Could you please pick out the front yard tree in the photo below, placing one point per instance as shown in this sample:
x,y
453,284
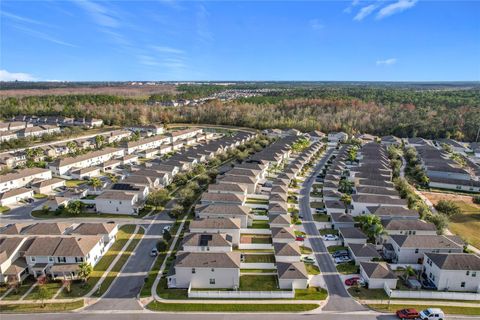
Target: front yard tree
x,y
448,208
99,140
158,198
75,208
177,210
42,293
85,269
95,183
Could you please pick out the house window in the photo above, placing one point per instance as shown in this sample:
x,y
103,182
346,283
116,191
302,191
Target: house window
x,y
50,259
416,250
61,259
78,259
474,274
212,281
468,272
193,270
462,285
213,270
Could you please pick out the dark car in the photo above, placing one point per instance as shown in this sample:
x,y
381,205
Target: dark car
x,y
340,253
428,284
408,314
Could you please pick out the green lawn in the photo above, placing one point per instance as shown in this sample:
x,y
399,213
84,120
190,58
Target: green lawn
x,y
258,283
53,215
78,288
332,249
256,201
305,250
4,209
364,293
317,204
166,293
300,233
469,311
316,194
259,258
39,196
311,293
347,268
37,307
52,288
321,218
312,269
467,224
260,239
152,274
17,294
328,231
225,307
74,183
258,270
260,224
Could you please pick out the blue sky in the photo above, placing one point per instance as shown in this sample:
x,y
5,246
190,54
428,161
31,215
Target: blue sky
x,y
397,40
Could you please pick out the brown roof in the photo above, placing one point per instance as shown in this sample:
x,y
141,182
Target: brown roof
x,y
295,270
352,233
455,261
93,228
222,197
424,241
14,192
287,249
376,270
8,246
283,232
62,246
217,208
364,250
226,187
47,228
221,223
90,155
48,182
206,239
208,260
407,224
280,219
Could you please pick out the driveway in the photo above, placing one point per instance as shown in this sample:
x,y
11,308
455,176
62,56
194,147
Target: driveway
x,y
126,287
339,299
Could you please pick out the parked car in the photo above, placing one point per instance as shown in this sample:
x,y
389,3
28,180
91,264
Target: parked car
x,y
320,210
340,253
300,238
428,284
432,314
30,200
308,260
343,259
166,229
154,252
408,314
300,215
352,281
330,237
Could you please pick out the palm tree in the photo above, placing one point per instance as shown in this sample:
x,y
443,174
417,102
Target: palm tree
x,y
346,199
95,183
84,271
99,140
345,186
72,147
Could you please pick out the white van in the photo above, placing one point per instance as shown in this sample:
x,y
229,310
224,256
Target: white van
x,y
432,314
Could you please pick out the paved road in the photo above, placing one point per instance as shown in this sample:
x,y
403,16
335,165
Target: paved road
x,y
124,290
206,316
339,299
20,213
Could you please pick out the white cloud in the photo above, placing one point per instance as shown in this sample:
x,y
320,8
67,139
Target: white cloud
x,y
364,12
164,49
44,36
386,62
396,7
21,19
100,14
15,76
350,7
315,24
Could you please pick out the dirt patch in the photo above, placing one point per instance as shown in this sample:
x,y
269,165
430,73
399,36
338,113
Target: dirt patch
x,y
434,197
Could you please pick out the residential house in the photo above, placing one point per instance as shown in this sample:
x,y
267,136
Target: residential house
x,y
377,275
207,242
228,226
14,196
292,276
22,178
287,252
352,235
48,186
118,202
224,211
363,252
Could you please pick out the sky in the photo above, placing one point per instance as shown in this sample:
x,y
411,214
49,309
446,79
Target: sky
x,y
174,40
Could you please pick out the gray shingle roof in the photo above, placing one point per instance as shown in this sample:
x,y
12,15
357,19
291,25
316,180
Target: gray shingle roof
x,y
295,270
455,261
208,260
376,270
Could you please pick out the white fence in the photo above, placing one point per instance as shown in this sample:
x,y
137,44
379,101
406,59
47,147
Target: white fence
x,y
246,265
241,294
256,246
255,231
259,217
441,295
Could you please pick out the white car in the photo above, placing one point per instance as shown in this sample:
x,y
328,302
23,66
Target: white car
x,y
330,237
308,260
166,228
432,314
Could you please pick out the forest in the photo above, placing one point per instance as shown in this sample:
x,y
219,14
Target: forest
x,y
440,111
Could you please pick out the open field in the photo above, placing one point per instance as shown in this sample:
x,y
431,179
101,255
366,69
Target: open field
x,y
465,225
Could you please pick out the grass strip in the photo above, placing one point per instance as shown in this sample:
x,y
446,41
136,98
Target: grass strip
x,y
38,308
224,307
468,311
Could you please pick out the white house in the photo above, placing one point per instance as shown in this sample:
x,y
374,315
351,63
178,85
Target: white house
x,y
453,271
60,256
95,158
118,202
185,134
352,235
206,270
12,263
12,197
365,252
361,203
228,226
410,249
376,275
287,252
292,275
335,137
23,177
48,186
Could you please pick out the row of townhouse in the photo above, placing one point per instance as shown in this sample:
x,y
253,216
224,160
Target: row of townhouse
x,y
129,195
445,173
407,239
207,259
58,121
54,250
17,130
